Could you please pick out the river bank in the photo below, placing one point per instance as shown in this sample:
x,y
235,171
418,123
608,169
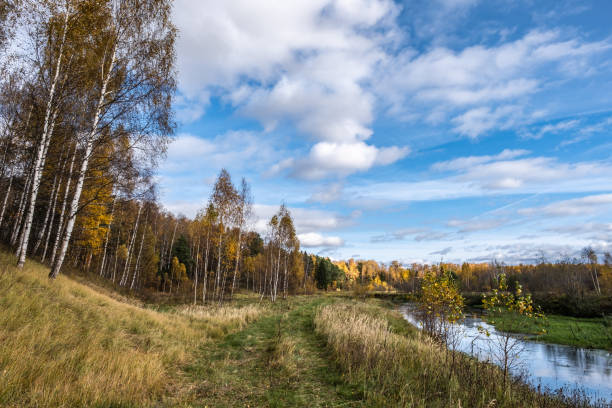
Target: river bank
x,y
592,333
553,366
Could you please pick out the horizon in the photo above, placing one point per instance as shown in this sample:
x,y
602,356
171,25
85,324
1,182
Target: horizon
x,y
460,130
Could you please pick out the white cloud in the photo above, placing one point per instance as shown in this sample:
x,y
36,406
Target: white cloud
x,y
302,61
552,128
305,220
484,88
480,176
537,171
442,252
588,205
477,121
235,149
418,234
473,225
463,163
327,194
327,159
313,239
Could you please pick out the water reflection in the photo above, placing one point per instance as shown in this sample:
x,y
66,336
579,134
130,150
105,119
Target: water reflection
x,y
551,365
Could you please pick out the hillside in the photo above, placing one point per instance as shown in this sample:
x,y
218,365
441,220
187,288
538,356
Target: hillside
x,y
63,343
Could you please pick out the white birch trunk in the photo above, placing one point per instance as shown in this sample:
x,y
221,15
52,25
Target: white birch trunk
x,y
41,156
43,230
286,282
237,261
22,204
60,225
4,202
83,170
218,276
50,227
126,268
205,277
144,230
107,236
115,262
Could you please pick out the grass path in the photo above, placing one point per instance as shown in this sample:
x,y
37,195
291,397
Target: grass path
x,y
277,361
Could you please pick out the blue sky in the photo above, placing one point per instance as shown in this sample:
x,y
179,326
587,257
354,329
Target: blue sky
x,y
415,130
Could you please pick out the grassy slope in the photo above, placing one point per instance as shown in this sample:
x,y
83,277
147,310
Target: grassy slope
x,y
63,343
580,332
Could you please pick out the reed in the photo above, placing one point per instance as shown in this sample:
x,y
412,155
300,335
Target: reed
x,y
395,369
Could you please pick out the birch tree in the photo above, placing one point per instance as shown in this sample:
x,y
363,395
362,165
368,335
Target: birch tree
x,y
50,116
243,213
133,80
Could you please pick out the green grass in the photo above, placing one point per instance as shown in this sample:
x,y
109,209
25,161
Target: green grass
x,y
573,331
278,361
68,343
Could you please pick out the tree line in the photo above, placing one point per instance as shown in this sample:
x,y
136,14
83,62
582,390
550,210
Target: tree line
x,y
86,89
583,275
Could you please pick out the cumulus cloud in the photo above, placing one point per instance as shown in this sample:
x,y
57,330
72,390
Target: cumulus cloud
x,y
306,62
235,149
313,239
306,220
327,159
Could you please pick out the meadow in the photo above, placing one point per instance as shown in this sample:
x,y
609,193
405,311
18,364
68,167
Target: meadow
x,y
71,343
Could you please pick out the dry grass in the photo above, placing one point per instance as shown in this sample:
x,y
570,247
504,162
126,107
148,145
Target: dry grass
x,y
399,370
64,344
223,319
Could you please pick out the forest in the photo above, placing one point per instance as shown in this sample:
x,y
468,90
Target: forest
x,y
86,115
128,304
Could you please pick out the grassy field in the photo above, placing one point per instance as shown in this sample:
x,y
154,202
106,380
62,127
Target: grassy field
x,y
67,343
580,332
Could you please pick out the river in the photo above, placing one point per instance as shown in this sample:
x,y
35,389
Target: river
x,y
552,365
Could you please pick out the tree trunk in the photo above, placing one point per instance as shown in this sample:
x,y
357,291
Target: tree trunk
x,y
126,268
115,261
84,165
50,226
22,204
286,283
144,230
195,273
6,196
205,276
277,274
107,236
169,257
50,206
43,146
60,225
218,276
237,261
